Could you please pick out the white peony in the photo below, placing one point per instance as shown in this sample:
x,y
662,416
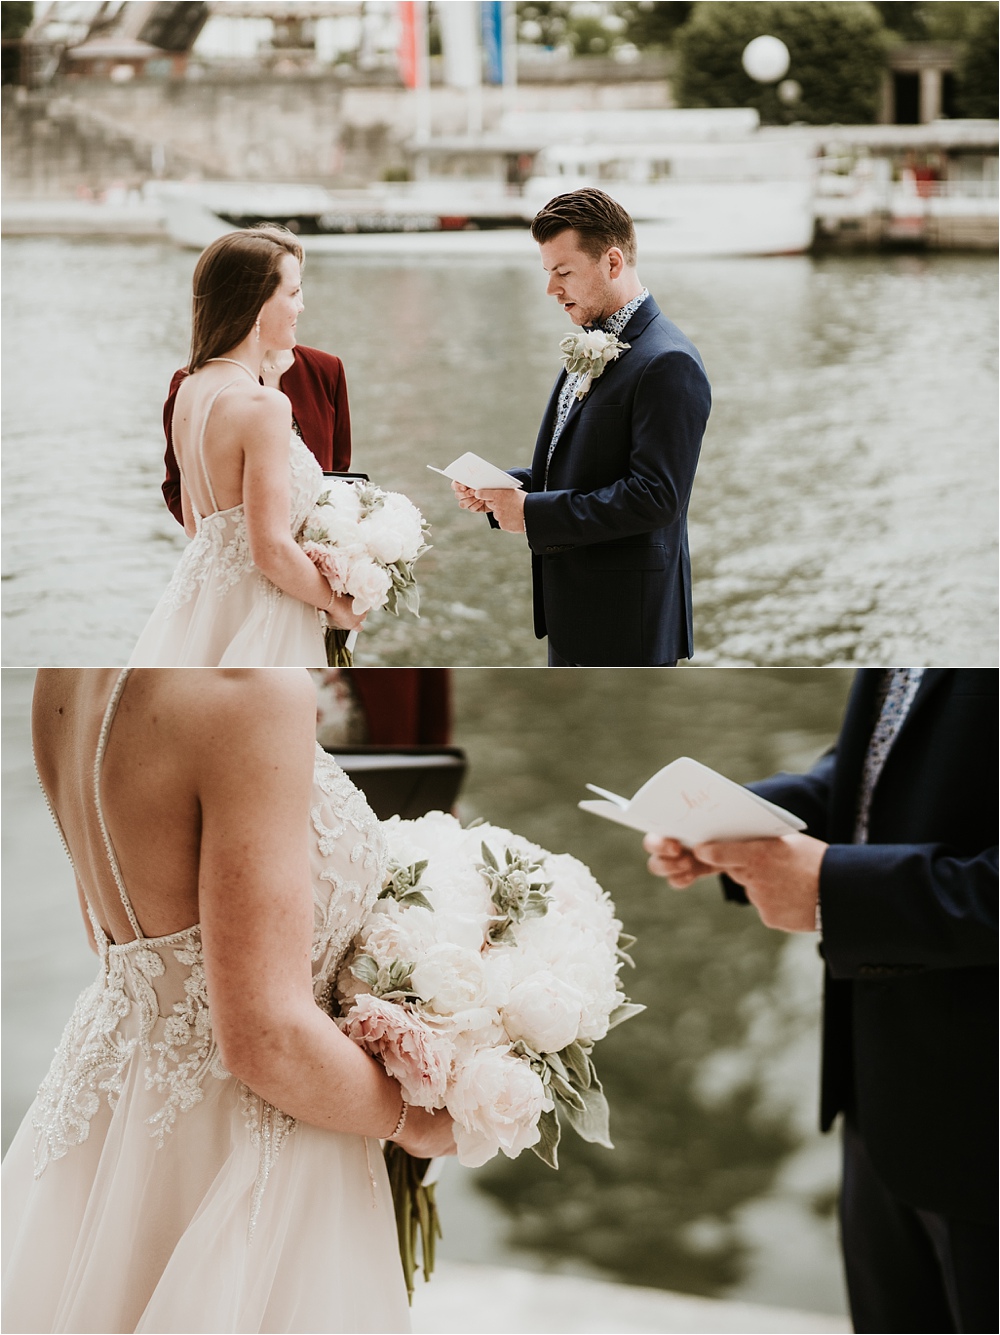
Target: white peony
x,y
369,586
450,978
545,1011
496,1101
381,538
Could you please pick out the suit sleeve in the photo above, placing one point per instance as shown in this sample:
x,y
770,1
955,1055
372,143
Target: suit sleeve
x,y
890,908
906,908
669,413
171,487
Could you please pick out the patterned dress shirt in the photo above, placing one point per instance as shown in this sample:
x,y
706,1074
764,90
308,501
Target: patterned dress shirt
x,y
613,325
895,698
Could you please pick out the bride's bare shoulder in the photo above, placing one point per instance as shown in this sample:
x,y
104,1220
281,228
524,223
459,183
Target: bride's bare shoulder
x,y
243,698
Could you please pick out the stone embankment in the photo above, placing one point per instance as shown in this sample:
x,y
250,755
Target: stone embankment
x,y
88,135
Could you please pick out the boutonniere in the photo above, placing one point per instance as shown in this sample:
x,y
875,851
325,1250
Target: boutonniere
x,y
589,352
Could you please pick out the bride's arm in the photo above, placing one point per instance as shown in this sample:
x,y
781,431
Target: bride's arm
x,y
254,777
266,504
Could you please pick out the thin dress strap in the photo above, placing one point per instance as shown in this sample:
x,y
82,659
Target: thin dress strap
x,y
102,741
201,445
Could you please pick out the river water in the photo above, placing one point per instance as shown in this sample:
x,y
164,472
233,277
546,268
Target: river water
x,y
719,1183
844,509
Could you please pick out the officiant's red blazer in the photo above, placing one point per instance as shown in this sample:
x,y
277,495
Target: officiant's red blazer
x,y
317,387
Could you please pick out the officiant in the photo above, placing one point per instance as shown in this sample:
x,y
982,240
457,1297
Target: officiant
x,y
604,504
897,871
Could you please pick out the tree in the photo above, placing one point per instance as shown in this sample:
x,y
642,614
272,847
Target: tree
x,y
837,57
977,71
15,20
652,23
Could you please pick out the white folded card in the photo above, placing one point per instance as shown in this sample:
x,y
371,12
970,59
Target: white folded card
x,y
690,802
472,471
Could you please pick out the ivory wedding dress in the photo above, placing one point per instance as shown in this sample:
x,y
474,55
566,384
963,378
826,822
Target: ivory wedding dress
x,y
219,610
149,1190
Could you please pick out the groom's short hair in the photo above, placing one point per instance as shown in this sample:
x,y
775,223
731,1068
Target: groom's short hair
x,y
599,220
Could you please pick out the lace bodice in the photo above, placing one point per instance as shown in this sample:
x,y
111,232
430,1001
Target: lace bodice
x,y
220,547
149,1003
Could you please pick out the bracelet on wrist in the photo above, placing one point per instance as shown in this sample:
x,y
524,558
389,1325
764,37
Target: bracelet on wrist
x,y
401,1123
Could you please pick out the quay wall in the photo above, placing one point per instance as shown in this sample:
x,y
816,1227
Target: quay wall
x,y
86,135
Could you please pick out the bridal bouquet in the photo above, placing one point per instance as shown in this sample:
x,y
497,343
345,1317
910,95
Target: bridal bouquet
x,y
482,978
366,542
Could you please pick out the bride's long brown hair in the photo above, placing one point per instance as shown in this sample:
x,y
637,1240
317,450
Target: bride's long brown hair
x,y
233,278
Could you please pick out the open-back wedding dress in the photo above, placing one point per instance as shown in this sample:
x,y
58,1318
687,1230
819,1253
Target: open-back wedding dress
x,y
149,1190
219,610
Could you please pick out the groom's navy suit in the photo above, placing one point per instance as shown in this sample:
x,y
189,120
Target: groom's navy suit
x,y
909,936
606,519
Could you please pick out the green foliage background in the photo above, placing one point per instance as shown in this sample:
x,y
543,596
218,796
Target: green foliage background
x,y
662,1209
837,56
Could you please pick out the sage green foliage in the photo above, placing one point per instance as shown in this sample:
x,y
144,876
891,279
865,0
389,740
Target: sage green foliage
x,y
403,885
679,1157
390,981
516,889
837,51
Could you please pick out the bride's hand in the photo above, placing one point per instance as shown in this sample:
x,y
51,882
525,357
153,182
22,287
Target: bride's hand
x,y
427,1135
341,613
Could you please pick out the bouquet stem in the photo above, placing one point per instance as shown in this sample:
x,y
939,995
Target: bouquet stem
x,y
416,1212
339,649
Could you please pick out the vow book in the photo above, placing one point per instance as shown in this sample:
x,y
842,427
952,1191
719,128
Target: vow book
x,y
692,803
472,471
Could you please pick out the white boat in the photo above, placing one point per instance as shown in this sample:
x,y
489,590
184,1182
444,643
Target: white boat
x,y
696,183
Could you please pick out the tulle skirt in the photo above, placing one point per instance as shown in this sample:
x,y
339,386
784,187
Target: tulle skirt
x,y
121,1234
249,624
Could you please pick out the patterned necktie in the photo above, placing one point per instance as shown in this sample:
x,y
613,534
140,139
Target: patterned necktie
x,y
899,686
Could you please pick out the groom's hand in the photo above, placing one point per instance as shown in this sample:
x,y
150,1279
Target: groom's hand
x,y
670,859
506,505
467,498
780,876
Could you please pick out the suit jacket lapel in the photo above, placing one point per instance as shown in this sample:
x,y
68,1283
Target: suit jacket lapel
x,y
646,313
859,724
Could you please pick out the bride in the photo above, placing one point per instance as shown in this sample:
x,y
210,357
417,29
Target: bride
x,y
203,1154
244,594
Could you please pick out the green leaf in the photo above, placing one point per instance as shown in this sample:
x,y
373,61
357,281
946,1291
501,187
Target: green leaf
x,y
365,970
555,1061
488,857
412,898
578,1064
566,1094
592,1124
624,1012
547,1147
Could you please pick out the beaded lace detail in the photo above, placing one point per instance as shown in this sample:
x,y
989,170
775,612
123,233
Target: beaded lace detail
x,y
220,548
149,1002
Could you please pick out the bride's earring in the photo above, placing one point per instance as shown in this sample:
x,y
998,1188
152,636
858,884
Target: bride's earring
x,y
257,327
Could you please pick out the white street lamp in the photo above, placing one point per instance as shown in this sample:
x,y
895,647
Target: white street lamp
x,y
766,59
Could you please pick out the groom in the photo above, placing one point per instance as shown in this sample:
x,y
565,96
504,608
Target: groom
x,y
604,505
898,871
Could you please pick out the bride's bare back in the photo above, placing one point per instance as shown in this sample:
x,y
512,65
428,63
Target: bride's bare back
x,y
161,755
220,414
